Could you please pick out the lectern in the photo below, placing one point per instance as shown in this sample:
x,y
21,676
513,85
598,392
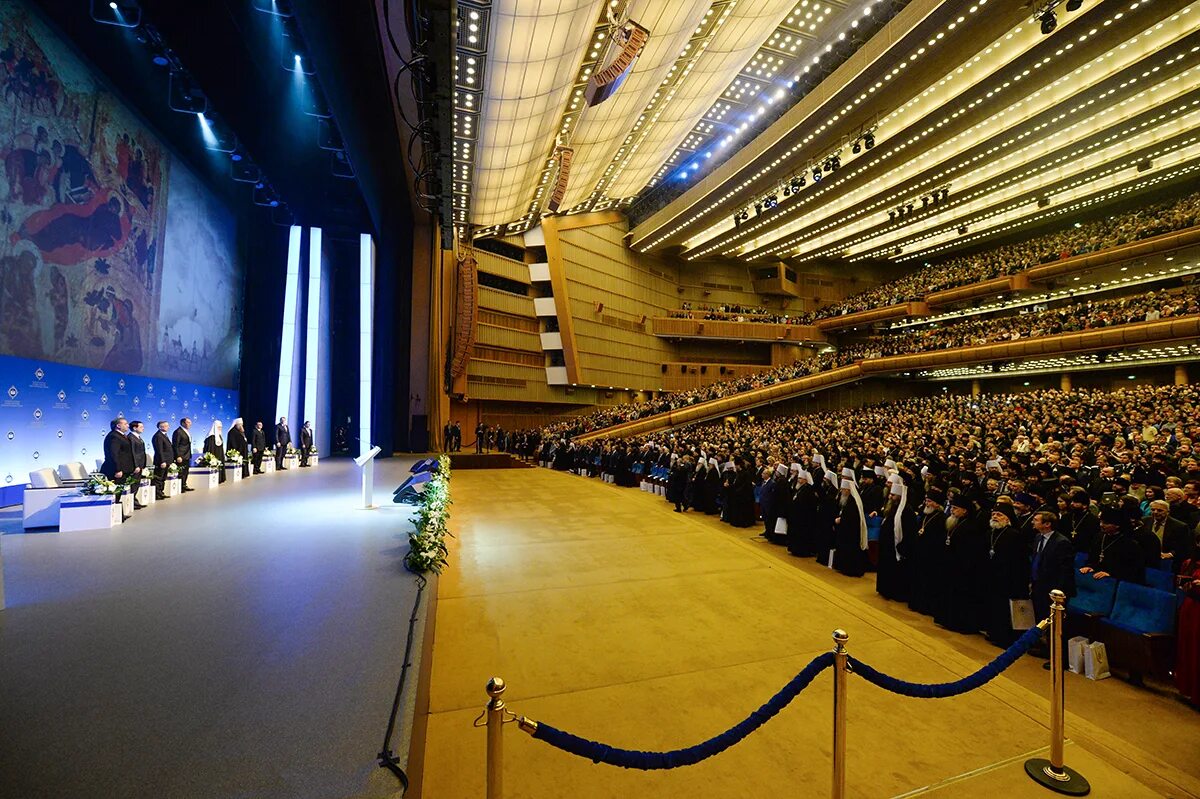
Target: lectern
x,y
367,462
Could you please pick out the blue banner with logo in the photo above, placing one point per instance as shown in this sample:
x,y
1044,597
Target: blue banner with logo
x,y
52,413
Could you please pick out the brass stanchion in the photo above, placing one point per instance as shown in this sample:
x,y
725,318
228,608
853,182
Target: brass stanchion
x,y
495,741
840,637
1053,773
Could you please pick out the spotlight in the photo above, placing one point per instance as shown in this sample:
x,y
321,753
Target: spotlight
x,y
836,163
857,148
924,200
802,180
1074,5
235,157
908,207
758,208
737,220
816,174
796,183
868,140
787,190
892,215
1049,22
113,6
828,165
962,230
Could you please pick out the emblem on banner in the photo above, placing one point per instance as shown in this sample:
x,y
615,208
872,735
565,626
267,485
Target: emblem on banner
x,y
12,392
87,380
37,413
39,374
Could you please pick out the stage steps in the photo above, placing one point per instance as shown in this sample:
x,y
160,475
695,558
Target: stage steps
x,y
486,460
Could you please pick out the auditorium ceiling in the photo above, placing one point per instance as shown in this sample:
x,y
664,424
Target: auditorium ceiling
x,y
822,130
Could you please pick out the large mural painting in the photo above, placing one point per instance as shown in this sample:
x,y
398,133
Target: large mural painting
x,y
85,248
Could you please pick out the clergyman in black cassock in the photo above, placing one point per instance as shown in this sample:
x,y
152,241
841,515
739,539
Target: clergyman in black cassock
x,y
1007,573
850,532
960,607
923,553
891,579
236,442
803,516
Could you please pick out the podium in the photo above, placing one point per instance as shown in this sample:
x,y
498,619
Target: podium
x,y
367,462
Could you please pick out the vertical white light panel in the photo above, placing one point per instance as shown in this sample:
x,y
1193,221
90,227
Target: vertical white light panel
x,y
312,337
366,332
287,341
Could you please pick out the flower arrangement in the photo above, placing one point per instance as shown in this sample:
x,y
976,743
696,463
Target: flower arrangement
x,y
235,457
100,485
291,451
312,450
427,542
173,470
209,460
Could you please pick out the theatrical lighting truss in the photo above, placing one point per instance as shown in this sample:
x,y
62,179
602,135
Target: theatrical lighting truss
x,y
185,96
122,13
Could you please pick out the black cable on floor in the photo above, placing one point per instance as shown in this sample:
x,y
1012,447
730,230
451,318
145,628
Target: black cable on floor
x,y
388,758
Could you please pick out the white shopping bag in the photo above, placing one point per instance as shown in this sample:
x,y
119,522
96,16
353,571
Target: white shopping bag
x,y
1075,649
1020,613
1095,661
781,526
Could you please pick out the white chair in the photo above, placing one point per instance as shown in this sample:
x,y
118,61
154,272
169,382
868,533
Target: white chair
x,y
74,473
41,497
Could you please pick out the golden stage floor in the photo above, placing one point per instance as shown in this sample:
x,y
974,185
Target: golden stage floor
x,y
614,618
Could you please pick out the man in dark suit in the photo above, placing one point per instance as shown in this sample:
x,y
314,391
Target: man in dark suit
x,y
138,445
447,437
306,442
258,446
1172,537
181,442
1053,563
136,428
164,456
118,452
1053,568
456,433
481,433
283,440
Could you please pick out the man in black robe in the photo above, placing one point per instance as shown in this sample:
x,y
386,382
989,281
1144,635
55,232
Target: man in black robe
x,y
899,522
923,552
164,456
1007,573
181,442
850,530
258,446
1079,525
965,566
803,515
236,442
677,483
1115,552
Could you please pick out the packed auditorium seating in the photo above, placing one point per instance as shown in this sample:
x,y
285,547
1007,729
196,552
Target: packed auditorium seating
x,y
1078,239
1085,315
741,313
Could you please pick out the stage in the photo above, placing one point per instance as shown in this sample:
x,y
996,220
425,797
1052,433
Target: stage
x,y
613,618
239,642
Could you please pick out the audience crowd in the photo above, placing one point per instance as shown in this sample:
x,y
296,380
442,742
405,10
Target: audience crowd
x,y
974,331
741,313
973,501
1085,237
1075,317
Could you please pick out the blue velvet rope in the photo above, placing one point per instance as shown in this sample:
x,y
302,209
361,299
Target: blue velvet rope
x,y
943,690
648,761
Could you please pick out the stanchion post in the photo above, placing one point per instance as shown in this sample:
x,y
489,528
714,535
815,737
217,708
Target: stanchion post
x,y
1053,773
495,741
840,657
